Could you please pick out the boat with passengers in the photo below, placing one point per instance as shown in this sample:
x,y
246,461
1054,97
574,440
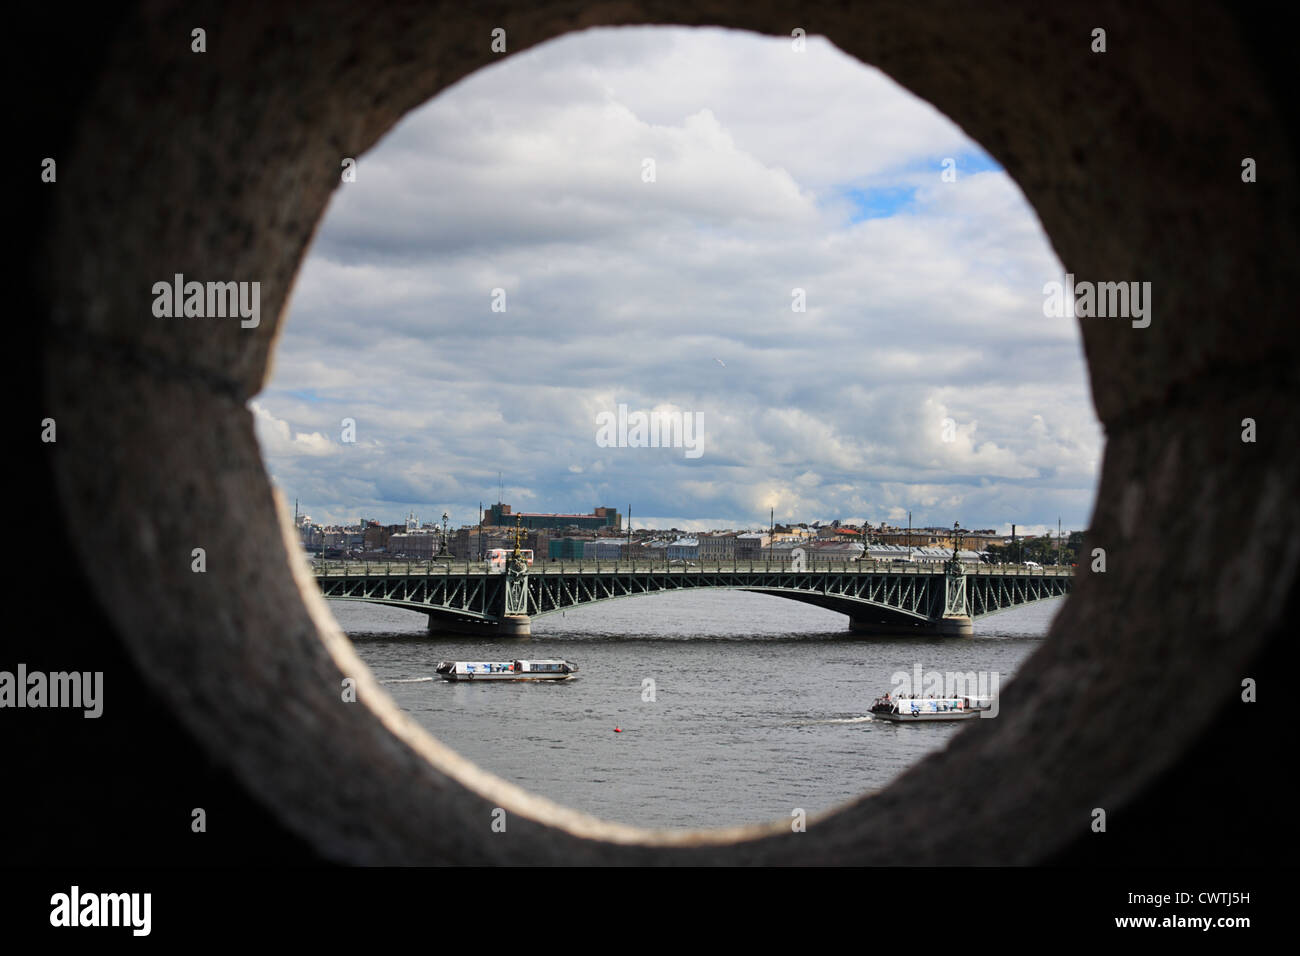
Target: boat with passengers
x,y
507,670
912,709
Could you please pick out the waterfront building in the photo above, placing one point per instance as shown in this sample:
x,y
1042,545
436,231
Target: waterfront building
x,y
419,544
750,546
502,515
791,535
567,549
603,549
654,551
684,549
717,547
836,550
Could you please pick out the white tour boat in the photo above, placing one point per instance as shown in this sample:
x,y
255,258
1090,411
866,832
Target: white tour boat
x,y
915,709
507,670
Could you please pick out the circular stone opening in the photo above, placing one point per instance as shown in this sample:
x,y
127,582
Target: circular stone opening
x,y
164,459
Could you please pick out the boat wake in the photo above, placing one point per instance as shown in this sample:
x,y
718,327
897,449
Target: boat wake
x,y
835,720
407,680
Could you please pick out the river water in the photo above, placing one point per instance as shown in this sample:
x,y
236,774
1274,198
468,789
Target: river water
x,y
758,704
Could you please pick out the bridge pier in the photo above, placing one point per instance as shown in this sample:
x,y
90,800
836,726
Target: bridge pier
x,y
944,627
440,625
956,627
514,625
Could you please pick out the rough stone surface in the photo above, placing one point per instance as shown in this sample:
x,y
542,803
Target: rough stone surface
x,y
219,166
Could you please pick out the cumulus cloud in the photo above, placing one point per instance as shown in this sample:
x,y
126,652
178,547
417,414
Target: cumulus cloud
x,y
773,172
279,441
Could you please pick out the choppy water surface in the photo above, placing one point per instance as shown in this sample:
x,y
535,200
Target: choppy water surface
x,y
760,703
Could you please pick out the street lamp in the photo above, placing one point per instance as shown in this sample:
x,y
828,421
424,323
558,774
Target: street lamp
x,y
444,534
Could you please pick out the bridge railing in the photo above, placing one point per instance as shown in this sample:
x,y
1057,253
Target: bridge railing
x,y
408,568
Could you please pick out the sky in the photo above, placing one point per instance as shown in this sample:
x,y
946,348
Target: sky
x,y
507,269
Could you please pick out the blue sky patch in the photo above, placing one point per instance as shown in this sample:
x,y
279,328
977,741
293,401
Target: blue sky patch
x,y
879,203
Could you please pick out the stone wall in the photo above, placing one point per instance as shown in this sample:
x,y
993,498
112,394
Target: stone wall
x,y
220,166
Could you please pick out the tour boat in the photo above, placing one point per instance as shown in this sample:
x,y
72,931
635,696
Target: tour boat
x,y
506,670
914,709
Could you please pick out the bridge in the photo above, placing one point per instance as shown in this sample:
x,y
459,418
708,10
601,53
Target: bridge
x,y
878,597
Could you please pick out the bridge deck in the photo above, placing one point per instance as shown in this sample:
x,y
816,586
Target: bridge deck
x,y
874,594
426,568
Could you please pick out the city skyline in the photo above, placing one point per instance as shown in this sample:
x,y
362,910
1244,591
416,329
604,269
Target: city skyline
x,y
416,521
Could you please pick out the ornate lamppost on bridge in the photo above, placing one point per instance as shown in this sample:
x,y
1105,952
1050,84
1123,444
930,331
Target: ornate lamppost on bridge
x,y
515,620
516,556
443,552
955,563
956,616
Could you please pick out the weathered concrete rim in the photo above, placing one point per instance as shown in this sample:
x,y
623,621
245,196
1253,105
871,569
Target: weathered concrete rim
x,y
164,447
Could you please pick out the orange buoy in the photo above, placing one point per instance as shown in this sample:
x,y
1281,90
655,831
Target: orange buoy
x,y
618,730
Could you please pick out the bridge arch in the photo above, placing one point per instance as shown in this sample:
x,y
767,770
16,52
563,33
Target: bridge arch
x,y
877,598
1078,139
866,616
443,620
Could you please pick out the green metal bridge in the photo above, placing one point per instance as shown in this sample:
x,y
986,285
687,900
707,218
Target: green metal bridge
x,y
878,597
